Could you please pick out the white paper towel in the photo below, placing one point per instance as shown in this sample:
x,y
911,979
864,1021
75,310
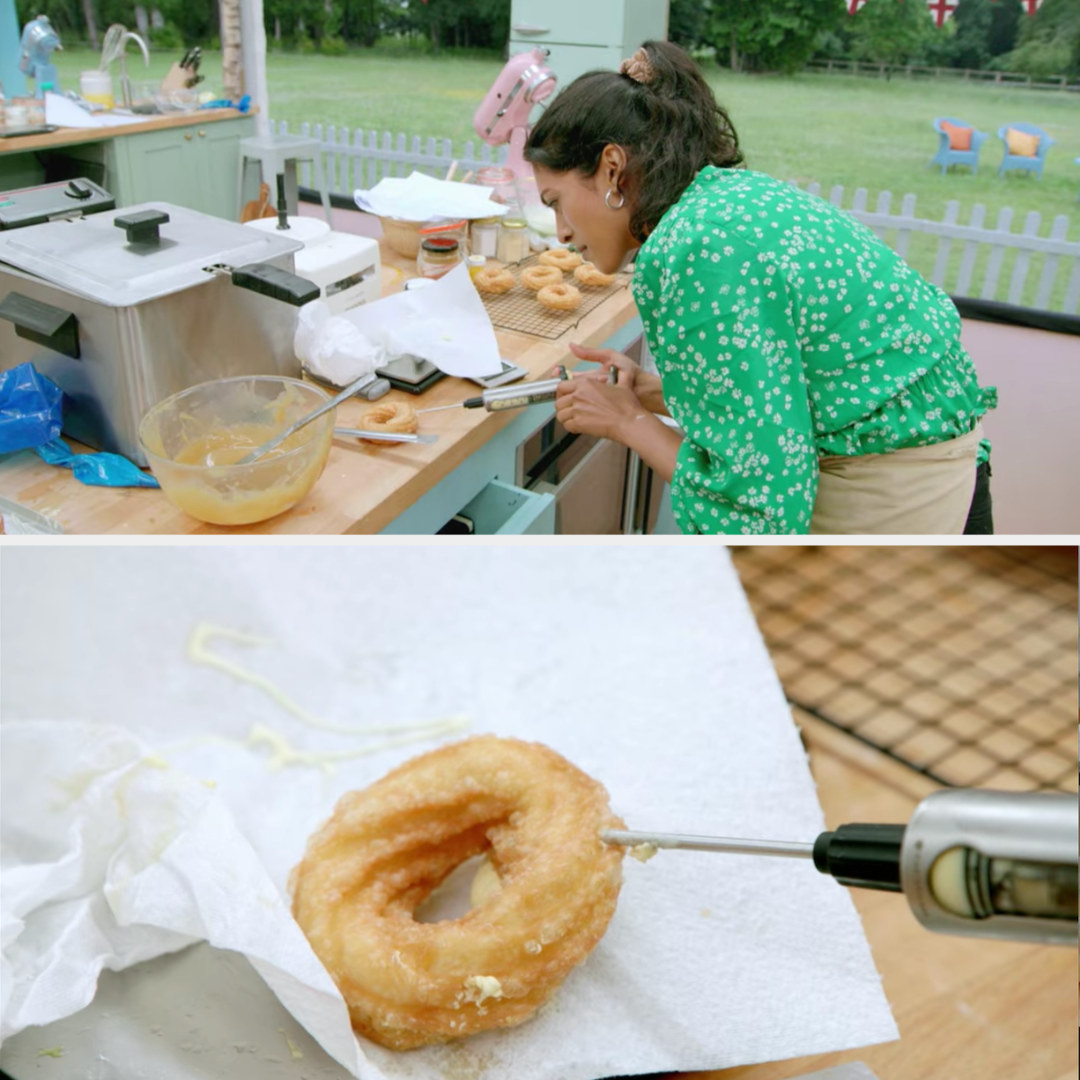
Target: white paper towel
x,y
446,324
641,665
419,197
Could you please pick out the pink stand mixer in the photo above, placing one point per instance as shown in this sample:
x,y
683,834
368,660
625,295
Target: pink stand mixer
x,y
503,116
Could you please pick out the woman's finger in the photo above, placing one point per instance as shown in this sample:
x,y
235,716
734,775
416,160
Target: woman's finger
x,y
587,352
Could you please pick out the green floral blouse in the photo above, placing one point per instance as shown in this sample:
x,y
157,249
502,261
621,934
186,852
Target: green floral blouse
x,y
784,330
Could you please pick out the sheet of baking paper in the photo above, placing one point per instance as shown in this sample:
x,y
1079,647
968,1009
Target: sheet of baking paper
x,y
642,665
419,197
445,323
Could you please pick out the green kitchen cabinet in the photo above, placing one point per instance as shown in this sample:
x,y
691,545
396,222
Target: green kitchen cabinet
x,y
195,166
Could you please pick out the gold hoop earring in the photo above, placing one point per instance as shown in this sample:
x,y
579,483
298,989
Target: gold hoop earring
x,y
607,199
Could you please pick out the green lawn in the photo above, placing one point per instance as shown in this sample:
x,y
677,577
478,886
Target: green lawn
x,y
835,129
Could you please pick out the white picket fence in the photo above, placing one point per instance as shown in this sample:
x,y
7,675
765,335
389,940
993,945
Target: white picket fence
x,y
982,252
971,260
360,159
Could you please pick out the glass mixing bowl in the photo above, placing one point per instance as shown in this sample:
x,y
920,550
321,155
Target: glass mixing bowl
x,y
194,439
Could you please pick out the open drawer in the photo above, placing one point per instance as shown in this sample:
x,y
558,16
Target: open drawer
x,y
502,509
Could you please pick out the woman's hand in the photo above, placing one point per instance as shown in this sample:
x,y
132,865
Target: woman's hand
x,y
588,405
591,406
644,385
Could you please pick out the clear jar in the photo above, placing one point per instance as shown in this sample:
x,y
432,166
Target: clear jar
x,y
501,182
513,240
438,254
484,237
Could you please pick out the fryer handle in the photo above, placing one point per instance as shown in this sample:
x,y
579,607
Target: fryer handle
x,y
276,283
44,324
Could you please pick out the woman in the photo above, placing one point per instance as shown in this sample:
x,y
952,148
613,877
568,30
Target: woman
x,y
818,379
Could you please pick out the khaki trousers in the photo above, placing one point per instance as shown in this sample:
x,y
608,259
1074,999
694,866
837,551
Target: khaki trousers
x,y
922,490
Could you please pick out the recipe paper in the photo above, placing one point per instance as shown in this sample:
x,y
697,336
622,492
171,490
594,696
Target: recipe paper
x,y
151,821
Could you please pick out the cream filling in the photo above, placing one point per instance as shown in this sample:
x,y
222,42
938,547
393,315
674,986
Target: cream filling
x,y
478,988
284,753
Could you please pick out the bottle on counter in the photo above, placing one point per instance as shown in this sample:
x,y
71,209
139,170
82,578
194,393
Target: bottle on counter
x,y
513,240
438,255
500,181
475,264
484,237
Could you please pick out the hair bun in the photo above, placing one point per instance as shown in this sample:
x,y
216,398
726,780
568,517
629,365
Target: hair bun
x,y
638,67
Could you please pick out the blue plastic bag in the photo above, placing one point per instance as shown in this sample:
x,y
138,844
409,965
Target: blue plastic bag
x,y
30,408
99,470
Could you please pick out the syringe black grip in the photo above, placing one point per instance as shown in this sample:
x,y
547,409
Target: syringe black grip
x,y
866,856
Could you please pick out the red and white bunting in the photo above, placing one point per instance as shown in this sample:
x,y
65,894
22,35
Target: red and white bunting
x,y
941,9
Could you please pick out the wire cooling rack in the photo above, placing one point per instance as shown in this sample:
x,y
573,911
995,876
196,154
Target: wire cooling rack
x,y
519,309
958,662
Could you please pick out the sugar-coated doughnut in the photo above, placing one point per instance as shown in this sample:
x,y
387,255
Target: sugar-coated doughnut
x,y
536,277
559,297
563,258
587,274
494,279
538,818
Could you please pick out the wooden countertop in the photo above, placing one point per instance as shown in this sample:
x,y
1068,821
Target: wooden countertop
x,y
362,489
68,136
965,1007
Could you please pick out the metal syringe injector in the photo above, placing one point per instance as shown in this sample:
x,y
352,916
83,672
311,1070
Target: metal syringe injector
x,y
517,396
980,863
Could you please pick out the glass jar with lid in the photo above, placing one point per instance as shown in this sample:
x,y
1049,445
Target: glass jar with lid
x,y
502,184
438,255
513,240
484,237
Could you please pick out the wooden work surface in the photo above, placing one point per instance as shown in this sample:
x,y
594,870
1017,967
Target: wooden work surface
x,y
69,136
363,487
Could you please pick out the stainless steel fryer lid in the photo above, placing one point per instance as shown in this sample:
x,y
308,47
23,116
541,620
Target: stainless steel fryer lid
x,y
92,257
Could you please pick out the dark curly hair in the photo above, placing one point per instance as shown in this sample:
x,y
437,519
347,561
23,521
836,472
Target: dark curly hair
x,y
670,128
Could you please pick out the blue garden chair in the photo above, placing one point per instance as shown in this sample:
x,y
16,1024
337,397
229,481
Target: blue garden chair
x,y
946,157
1022,162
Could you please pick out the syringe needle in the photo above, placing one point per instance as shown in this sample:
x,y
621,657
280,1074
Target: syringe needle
x,y
784,848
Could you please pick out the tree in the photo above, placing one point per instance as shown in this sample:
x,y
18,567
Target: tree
x,y
971,42
1004,26
775,36
891,31
232,59
687,20
1049,42
91,25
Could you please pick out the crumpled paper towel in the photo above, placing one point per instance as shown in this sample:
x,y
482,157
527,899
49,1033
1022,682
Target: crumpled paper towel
x,y
420,197
641,664
445,323
111,857
332,348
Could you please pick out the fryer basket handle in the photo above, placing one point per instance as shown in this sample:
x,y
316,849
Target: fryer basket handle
x,y
42,323
276,283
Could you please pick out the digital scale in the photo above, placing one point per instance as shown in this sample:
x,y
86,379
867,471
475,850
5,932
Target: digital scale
x,y
415,375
